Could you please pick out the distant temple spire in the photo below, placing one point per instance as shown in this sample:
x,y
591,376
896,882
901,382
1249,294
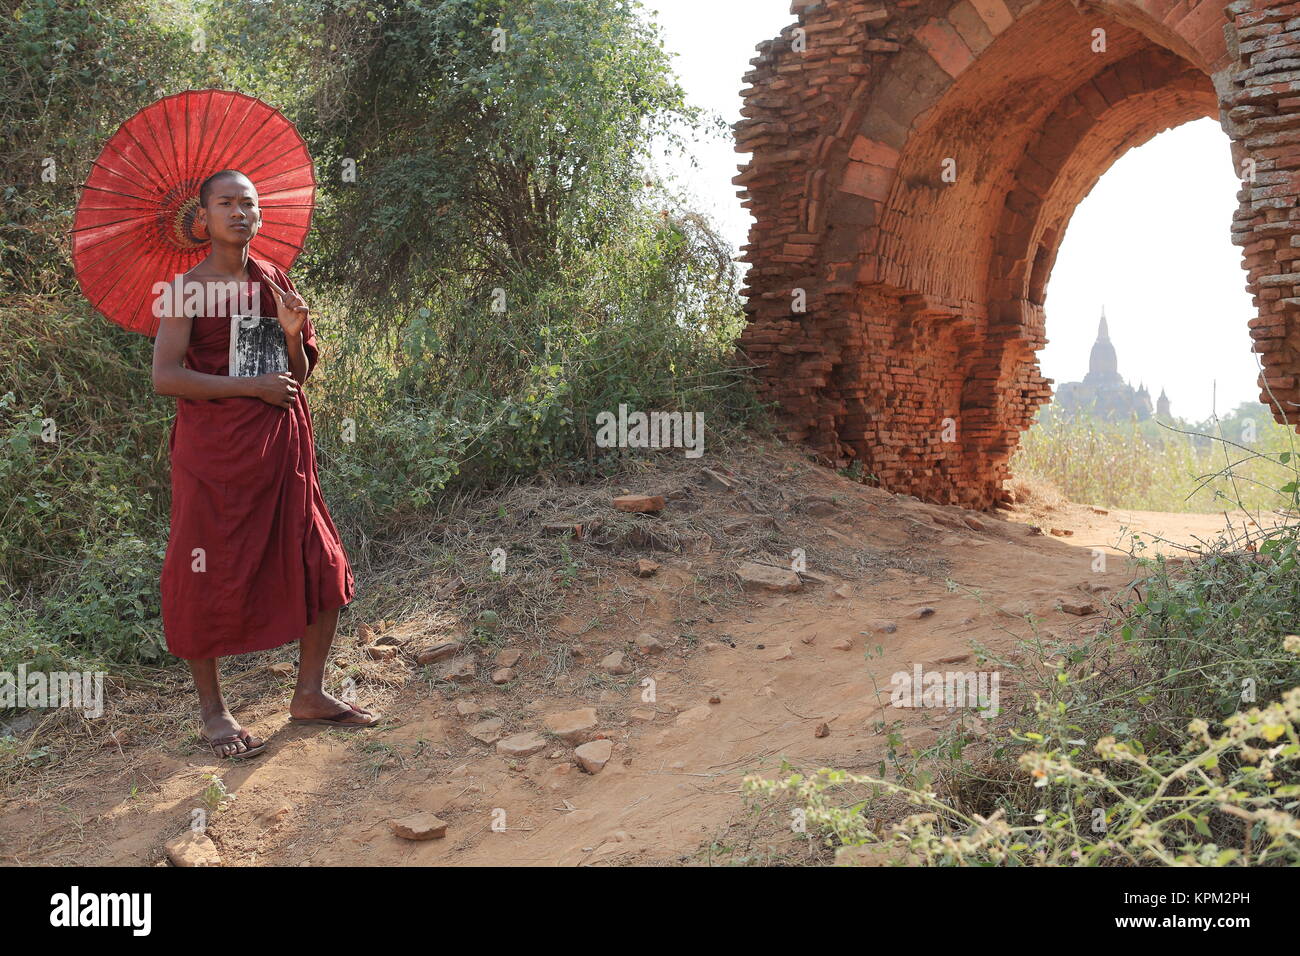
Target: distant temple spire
x,y
1103,365
1162,406
1103,393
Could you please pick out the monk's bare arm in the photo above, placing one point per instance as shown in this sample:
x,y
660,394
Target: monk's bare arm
x,y
297,357
172,378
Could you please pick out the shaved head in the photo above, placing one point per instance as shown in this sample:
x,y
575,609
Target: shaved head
x,y
205,188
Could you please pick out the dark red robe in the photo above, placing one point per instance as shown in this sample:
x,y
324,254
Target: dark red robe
x,y
245,491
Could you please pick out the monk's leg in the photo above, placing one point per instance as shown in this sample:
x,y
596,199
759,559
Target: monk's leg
x,y
218,722
309,697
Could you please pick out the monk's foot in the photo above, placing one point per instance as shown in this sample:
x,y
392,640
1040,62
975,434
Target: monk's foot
x,y
223,733
317,704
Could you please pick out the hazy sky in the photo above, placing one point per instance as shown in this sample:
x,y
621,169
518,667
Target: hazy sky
x,y
1150,242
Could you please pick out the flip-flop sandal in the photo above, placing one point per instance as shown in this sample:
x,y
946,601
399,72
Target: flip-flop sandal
x,y
340,719
243,735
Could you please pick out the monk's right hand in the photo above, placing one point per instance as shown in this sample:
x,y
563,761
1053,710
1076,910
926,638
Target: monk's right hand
x,y
276,388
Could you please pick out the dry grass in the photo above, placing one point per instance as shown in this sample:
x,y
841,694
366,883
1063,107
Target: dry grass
x,y
1153,467
1036,493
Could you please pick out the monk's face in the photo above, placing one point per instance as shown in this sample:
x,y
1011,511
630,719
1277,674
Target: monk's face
x,y
232,214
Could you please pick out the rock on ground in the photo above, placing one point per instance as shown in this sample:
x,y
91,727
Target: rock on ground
x,y
593,756
648,644
572,726
521,745
419,826
716,480
640,504
770,579
438,652
1081,608
193,849
615,664
487,731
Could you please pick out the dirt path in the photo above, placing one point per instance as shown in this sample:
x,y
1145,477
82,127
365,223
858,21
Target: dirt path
x,y
775,666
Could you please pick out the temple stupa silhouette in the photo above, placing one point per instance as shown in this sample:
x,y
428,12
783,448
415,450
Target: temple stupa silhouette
x,y
1103,393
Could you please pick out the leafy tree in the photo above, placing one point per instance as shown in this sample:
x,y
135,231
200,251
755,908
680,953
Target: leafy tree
x,y
490,137
71,71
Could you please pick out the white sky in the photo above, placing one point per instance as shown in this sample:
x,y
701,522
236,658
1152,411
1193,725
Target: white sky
x,y
1150,242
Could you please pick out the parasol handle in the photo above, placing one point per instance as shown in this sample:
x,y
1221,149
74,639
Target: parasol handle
x,y
280,293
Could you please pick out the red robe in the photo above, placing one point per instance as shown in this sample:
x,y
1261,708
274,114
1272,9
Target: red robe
x,y
245,491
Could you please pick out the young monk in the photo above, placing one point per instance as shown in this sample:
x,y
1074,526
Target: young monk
x,y
253,560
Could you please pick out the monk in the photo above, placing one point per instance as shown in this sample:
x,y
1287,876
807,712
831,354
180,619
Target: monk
x,y
253,559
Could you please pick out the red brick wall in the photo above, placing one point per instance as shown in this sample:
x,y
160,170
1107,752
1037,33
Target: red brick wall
x,y
914,168
1264,120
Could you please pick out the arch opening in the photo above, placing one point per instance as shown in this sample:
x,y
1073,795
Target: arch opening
x,y
1146,267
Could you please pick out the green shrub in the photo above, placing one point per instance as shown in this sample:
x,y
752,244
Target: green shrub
x,y
83,455
464,397
84,481
1216,800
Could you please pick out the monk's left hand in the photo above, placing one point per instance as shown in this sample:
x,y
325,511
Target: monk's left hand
x,y
291,310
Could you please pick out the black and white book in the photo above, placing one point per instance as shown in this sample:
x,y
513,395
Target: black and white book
x,y
257,346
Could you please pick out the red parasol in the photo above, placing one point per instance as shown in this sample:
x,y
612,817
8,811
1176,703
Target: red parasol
x,y
135,223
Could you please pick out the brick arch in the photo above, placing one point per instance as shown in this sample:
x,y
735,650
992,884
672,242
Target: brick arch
x,y
1162,92
923,293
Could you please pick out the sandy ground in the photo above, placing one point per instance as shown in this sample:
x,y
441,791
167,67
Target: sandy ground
x,y
776,666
